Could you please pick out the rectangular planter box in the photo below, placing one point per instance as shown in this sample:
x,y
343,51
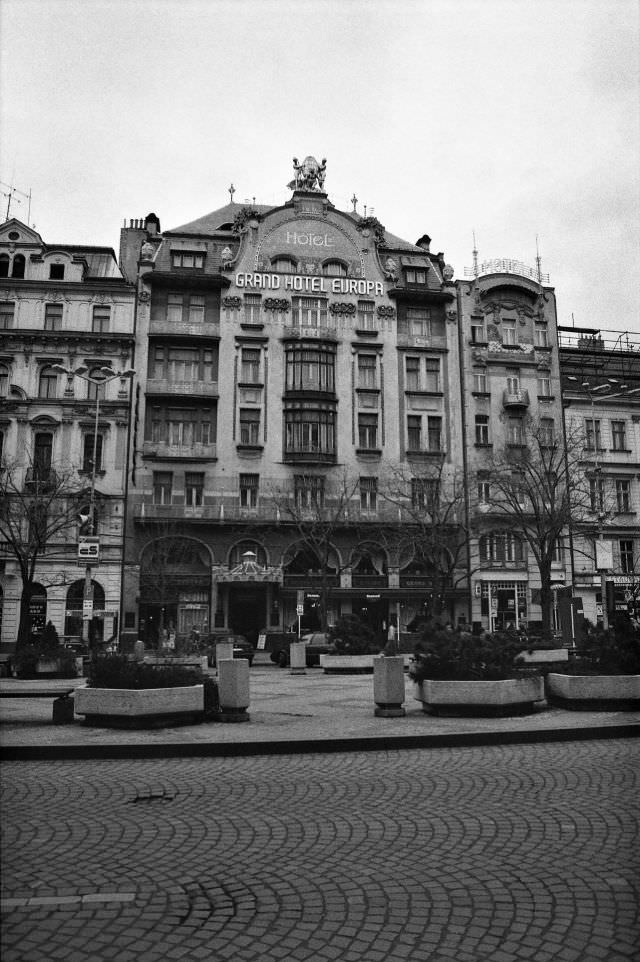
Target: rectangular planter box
x,y
355,664
585,692
181,661
476,697
116,706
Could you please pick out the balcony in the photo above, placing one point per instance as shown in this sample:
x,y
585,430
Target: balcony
x,y
184,328
515,400
41,478
179,452
157,385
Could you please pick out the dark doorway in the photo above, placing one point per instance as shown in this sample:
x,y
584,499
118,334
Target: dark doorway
x,y
248,610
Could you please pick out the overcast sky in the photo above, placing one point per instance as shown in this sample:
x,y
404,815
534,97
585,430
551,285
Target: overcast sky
x,y
515,119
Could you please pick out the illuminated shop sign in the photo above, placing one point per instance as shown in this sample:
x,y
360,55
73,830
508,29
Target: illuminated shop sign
x,y
315,285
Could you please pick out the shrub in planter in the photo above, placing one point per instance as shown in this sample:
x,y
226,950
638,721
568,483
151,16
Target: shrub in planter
x,y
118,671
458,656
351,636
25,661
612,652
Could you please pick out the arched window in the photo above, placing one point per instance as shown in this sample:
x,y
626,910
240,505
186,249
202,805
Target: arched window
x,y
284,265
4,265
48,383
73,621
334,269
18,266
96,390
4,380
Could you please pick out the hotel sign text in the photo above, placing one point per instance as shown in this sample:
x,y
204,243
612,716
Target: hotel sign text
x,y
316,285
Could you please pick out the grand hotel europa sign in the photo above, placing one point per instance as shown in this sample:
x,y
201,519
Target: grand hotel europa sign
x,y
310,284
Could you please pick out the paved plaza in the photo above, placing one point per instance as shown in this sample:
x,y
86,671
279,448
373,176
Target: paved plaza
x,y
478,854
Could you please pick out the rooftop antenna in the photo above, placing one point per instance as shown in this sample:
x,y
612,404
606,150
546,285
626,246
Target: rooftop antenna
x,y
9,194
365,210
475,257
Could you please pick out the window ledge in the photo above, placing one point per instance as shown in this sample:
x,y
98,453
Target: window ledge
x,y
250,447
250,384
420,393
627,513
547,398
415,453
369,452
481,444
363,332
479,343
481,394
368,390
620,451
100,472
246,326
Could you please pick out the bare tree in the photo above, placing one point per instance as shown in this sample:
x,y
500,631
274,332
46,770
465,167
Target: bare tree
x,y
433,529
320,510
39,512
537,488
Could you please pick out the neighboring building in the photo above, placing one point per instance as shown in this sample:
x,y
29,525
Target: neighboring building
x,y
65,305
291,358
601,391
510,378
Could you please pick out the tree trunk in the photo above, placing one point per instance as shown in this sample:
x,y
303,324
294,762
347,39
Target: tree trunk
x,y
546,604
24,626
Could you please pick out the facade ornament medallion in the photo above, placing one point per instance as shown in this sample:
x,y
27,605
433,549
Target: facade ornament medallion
x,y
385,310
342,307
309,175
280,304
391,271
448,273
232,303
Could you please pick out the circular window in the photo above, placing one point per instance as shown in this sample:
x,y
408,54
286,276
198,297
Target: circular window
x,y
14,235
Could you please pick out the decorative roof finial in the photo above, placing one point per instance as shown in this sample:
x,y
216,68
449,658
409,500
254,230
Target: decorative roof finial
x,y
232,191
354,201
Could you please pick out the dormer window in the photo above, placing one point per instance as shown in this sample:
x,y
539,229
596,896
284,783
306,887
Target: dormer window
x,y
187,260
334,269
413,276
284,265
56,272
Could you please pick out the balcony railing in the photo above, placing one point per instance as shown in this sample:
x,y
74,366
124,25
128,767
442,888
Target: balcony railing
x,y
204,329
160,450
515,399
190,388
43,478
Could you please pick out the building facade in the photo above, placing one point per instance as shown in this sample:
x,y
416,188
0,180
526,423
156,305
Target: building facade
x,y
299,397
63,306
601,392
511,397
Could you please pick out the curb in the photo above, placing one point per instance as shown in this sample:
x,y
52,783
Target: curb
x,y
318,746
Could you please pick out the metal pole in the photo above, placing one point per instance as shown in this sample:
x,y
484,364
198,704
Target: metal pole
x,y
88,586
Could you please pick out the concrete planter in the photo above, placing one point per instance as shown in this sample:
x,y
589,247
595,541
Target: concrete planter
x,y
511,696
599,692
352,664
179,661
388,686
233,690
146,707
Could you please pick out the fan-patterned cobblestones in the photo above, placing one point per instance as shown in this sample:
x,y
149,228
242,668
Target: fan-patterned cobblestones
x,y
496,854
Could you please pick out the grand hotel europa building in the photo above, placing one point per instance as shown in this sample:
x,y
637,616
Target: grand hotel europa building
x,y
305,380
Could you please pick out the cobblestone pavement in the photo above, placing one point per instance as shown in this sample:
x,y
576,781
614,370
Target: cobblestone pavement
x,y
450,855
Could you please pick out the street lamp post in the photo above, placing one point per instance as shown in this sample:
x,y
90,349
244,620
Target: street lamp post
x,y
108,375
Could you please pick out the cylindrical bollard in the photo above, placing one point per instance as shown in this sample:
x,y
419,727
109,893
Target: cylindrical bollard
x,y
138,650
224,651
388,686
298,658
233,689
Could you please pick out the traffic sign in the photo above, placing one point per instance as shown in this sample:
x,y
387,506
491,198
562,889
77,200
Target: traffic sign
x,y
89,549
87,609
299,609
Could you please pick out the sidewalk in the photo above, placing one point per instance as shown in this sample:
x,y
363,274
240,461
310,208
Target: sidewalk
x,y
313,712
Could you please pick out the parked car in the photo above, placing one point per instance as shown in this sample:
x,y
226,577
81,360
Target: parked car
x,y
317,643
242,648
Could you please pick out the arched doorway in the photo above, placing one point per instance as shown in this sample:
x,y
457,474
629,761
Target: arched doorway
x,y
73,621
175,588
